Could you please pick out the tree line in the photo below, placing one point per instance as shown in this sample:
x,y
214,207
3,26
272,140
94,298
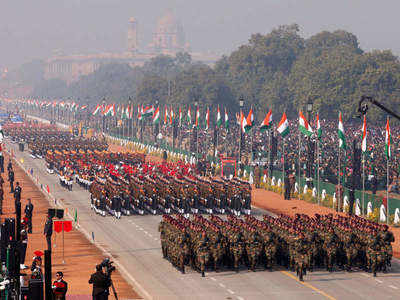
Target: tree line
x,y
280,70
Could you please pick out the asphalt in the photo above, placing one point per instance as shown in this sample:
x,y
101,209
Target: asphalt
x,y
133,242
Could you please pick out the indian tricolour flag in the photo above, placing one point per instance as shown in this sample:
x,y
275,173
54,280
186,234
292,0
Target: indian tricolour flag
x,y
364,135
148,111
166,115
267,122
249,120
304,127
219,119
156,116
197,117
207,119
319,130
189,116
110,110
171,116
98,109
341,135
388,140
283,126
180,116
243,122
226,120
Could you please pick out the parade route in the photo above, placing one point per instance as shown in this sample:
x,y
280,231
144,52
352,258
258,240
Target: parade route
x,y
133,242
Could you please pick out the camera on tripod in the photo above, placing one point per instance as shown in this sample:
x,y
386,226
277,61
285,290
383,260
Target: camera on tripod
x,y
107,264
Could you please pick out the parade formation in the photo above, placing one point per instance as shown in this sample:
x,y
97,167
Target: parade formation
x,y
299,244
125,184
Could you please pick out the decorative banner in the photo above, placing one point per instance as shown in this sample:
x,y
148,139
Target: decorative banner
x,y
58,226
67,226
48,189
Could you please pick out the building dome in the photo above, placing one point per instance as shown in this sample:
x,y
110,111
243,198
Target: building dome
x,y
167,23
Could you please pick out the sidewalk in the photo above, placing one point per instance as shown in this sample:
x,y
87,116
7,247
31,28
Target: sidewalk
x,y
80,255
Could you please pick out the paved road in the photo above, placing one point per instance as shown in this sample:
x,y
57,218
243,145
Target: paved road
x,y
134,242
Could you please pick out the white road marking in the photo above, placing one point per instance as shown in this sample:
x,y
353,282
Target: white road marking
x,y
222,285
230,291
393,287
150,235
379,281
239,298
366,275
213,279
145,232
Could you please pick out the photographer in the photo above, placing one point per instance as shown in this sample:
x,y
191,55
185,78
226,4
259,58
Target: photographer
x,y
101,282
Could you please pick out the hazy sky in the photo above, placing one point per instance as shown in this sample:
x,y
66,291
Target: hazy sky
x,y
32,29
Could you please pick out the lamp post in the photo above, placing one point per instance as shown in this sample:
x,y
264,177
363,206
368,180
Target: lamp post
x,y
310,151
156,126
241,104
196,104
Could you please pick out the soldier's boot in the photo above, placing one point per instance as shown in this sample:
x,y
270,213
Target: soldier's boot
x,y
183,269
202,274
301,274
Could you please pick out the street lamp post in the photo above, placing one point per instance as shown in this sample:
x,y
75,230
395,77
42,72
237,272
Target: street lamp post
x,y
241,104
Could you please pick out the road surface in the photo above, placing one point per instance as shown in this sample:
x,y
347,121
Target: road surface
x,y
133,242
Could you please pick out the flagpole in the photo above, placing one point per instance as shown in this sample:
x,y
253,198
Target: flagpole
x,y
387,190
283,167
299,163
338,195
269,152
363,182
318,187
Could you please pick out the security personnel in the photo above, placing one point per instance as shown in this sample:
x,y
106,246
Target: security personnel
x,y
17,196
11,179
48,231
101,283
28,214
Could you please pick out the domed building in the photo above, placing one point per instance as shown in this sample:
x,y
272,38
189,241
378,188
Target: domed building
x,y
169,36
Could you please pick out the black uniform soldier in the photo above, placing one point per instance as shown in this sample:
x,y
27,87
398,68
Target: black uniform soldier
x,y
1,162
28,214
17,196
11,179
48,231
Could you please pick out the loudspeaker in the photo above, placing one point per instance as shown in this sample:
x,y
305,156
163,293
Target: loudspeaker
x,y
60,213
36,289
51,212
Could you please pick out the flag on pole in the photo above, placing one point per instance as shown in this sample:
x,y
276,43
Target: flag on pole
x,y
388,140
304,127
189,116
283,126
123,116
197,117
171,116
140,109
364,135
249,120
110,110
166,115
243,122
84,107
147,111
319,130
156,116
267,122
207,119
342,137
226,120
98,109
219,119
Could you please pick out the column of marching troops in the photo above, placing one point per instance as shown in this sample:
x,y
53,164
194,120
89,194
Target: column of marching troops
x,y
124,183
127,183
299,243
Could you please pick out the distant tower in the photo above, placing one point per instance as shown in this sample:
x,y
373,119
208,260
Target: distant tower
x,y
133,46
